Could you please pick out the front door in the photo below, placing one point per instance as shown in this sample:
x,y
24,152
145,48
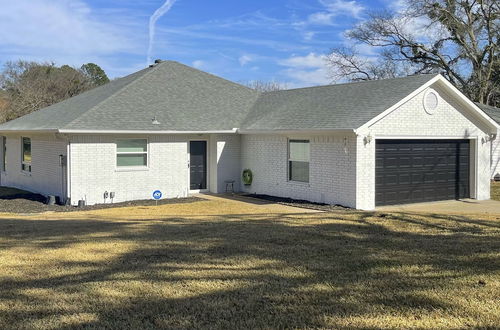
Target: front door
x,y
198,165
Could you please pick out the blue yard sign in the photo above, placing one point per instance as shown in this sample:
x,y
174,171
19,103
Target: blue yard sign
x,y
157,194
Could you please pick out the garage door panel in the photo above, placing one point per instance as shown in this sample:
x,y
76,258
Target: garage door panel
x,y
409,171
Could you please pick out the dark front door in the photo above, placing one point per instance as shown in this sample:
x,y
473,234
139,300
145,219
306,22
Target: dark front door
x,y
198,165
411,171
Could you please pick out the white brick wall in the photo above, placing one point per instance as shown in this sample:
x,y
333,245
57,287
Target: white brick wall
x,y
495,156
46,176
365,174
332,168
94,171
411,121
228,160
93,167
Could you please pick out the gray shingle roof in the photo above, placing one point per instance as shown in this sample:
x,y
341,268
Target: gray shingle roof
x,y
59,115
186,99
491,111
341,106
180,97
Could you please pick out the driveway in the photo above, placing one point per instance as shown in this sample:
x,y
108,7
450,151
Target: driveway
x,y
465,206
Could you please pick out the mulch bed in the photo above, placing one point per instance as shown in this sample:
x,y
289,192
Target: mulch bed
x,y
298,203
25,202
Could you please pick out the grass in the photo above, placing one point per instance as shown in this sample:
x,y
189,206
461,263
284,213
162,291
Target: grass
x,y
227,264
495,191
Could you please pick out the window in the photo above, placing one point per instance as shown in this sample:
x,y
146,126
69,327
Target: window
x,y
132,153
26,156
431,101
4,152
298,160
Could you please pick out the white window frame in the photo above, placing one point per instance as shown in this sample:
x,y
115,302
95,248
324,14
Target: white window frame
x,y
23,162
131,168
289,160
424,101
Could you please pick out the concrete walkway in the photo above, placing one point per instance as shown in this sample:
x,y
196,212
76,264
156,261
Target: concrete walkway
x,y
465,206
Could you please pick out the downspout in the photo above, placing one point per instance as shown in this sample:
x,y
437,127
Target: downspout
x,y
491,174
68,173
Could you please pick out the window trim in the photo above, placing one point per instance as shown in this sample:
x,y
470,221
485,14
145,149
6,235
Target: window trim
x,y
23,162
289,160
424,101
131,168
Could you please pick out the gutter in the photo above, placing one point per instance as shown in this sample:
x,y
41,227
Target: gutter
x,y
48,130
76,131
152,132
298,131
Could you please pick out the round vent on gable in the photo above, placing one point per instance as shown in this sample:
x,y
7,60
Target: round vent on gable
x,y
431,101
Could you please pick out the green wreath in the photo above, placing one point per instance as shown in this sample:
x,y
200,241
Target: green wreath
x,y
247,177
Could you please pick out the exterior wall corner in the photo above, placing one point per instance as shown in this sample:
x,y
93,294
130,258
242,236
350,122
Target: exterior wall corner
x,y
365,173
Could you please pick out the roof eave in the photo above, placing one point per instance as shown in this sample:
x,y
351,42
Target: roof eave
x,y
298,131
161,132
29,131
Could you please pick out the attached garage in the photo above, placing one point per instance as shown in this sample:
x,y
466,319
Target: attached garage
x,y
412,171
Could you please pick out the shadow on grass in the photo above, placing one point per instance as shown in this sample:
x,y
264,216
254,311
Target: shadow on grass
x,y
241,271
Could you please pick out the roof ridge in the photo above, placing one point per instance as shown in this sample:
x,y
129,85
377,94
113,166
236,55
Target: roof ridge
x,y
210,74
152,69
352,83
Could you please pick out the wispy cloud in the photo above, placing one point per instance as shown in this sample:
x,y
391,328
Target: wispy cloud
x,y
152,25
310,60
197,33
65,31
245,59
241,42
335,8
307,70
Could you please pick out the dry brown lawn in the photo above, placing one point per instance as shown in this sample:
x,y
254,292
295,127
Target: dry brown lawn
x,y
227,264
495,191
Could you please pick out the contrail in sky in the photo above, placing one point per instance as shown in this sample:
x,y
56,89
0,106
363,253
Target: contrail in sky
x,y
152,21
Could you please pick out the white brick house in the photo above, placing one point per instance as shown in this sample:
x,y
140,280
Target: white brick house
x,y
180,130
494,113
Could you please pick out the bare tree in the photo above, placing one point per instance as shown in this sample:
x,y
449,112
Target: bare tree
x,y
3,105
348,63
30,86
266,86
457,38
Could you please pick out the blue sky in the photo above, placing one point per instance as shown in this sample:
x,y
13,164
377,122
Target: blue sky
x,y
239,40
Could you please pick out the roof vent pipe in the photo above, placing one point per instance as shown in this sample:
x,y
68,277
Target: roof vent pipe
x,y
154,121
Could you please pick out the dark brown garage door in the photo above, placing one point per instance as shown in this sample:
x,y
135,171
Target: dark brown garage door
x,y
412,171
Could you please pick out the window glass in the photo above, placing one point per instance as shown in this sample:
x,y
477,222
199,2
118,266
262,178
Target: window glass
x,y
132,153
26,155
298,162
131,160
299,150
132,145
